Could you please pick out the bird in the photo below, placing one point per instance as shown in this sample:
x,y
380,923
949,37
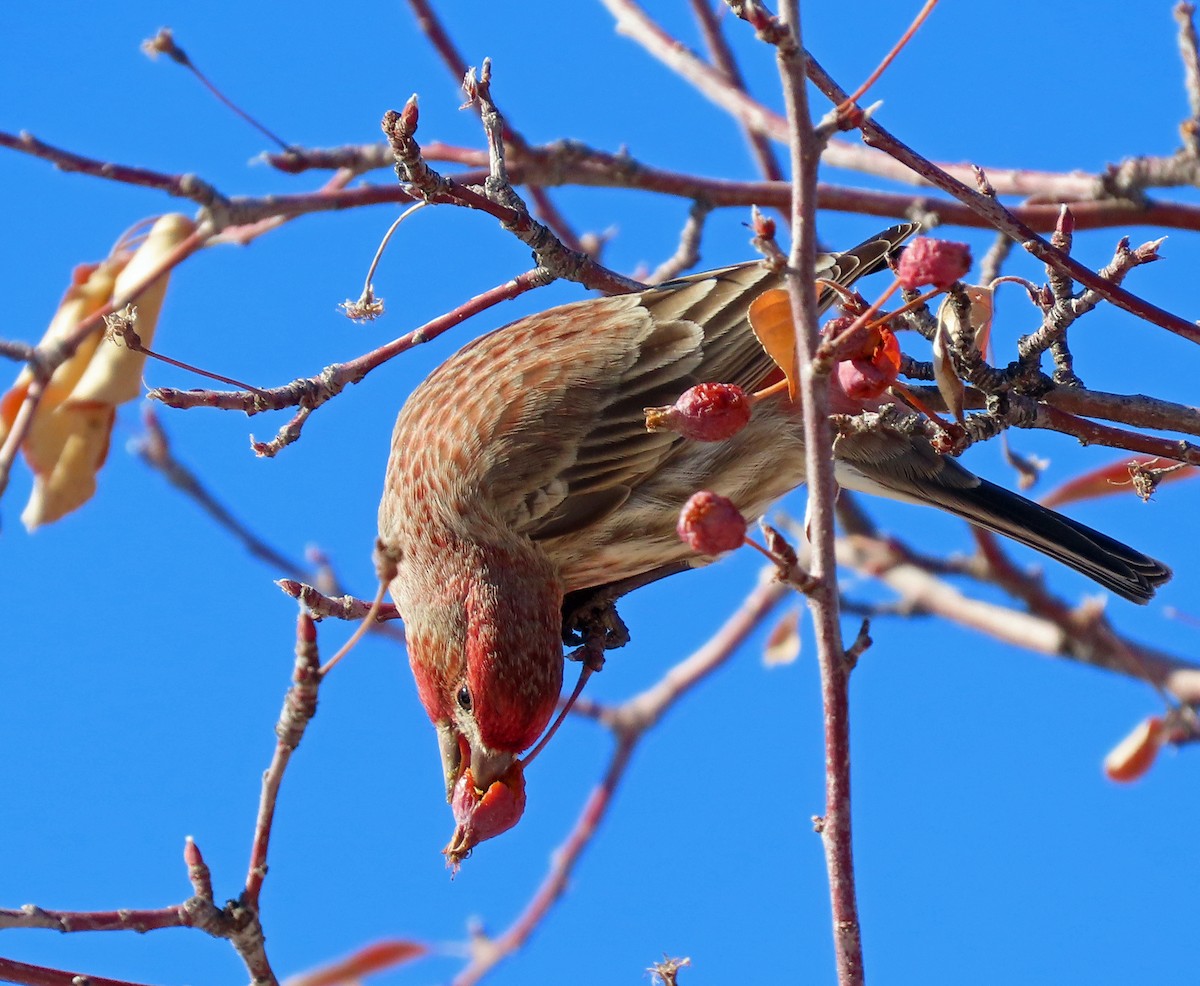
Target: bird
x,y
522,478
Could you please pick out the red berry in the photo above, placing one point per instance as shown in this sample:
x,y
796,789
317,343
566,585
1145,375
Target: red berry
x,y
481,815
936,262
710,524
708,412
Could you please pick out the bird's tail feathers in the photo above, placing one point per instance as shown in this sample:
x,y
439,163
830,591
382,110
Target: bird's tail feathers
x,y
1103,559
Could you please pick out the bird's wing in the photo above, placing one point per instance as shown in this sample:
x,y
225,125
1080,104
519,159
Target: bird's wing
x,y
591,368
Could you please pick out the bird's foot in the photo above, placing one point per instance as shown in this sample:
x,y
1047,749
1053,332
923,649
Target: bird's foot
x,y
594,625
591,654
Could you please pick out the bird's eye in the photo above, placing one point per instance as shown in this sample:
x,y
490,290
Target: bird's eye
x,y
464,698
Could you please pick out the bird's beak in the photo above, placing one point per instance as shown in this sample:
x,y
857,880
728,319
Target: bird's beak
x,y
487,766
452,755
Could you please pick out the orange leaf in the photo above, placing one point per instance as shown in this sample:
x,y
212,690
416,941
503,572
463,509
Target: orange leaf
x,y
886,355
770,317
369,959
1134,755
10,403
783,642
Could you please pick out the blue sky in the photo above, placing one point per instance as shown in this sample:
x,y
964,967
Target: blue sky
x,y
145,654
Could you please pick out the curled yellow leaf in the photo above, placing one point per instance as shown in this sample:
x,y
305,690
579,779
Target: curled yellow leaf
x,y
69,436
114,375
944,375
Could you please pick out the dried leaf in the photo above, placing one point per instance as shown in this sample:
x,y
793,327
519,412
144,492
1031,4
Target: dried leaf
x,y
948,328
783,642
770,317
91,288
65,448
1116,477
944,375
982,311
68,438
114,375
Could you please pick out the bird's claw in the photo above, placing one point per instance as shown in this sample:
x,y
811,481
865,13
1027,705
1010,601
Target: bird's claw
x,y
591,653
595,625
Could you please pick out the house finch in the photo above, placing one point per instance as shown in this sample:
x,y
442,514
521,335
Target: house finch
x,y
522,471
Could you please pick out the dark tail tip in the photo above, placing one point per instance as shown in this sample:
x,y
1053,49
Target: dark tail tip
x,y
1105,560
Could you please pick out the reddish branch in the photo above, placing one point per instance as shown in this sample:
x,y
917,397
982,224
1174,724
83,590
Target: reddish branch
x,y
570,163
181,186
299,706
805,145
12,971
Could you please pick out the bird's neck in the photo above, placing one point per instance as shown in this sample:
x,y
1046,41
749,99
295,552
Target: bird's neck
x,y
490,612
513,609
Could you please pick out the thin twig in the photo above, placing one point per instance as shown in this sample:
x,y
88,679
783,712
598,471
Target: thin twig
x,y
299,706
311,392
163,43
687,254
836,835
400,129
12,971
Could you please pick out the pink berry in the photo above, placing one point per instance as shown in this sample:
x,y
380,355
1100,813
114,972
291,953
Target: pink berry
x,y
866,376
708,412
711,524
862,380
927,261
